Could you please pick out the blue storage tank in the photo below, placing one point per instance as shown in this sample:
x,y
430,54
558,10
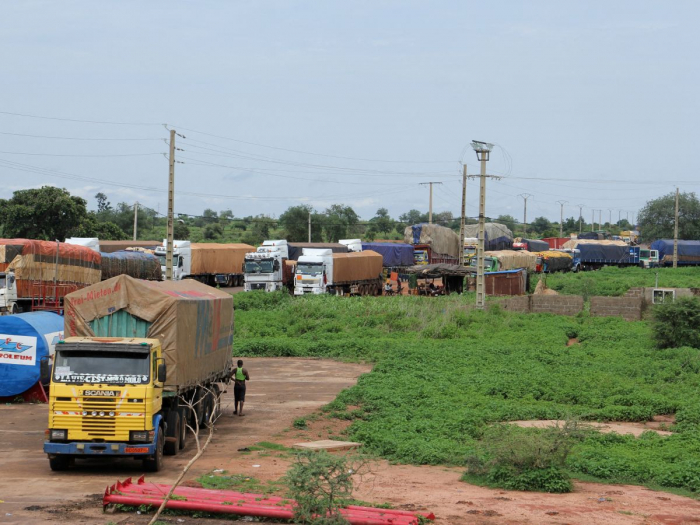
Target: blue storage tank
x,y
24,340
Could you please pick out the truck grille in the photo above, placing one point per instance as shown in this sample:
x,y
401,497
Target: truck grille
x,y
309,281
69,415
257,286
101,427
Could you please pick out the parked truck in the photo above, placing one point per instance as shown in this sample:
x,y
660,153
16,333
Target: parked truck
x,y
688,252
354,273
209,263
142,360
271,266
498,261
497,236
394,255
432,244
531,245
555,261
36,275
596,255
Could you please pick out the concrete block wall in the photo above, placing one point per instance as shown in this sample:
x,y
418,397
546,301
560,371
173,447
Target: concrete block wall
x,y
556,304
519,303
629,308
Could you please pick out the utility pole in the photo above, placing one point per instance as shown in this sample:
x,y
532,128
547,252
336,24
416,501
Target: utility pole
x,y
430,210
675,235
464,211
482,149
561,217
580,218
592,220
171,206
136,218
609,217
309,226
525,197
619,216
600,219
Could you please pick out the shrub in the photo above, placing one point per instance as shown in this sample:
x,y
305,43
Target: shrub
x,y
677,324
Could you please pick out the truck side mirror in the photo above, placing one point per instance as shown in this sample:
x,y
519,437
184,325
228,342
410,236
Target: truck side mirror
x,y
276,265
45,369
162,373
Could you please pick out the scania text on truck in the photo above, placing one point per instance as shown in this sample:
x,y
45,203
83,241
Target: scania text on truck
x,y
354,273
209,263
141,362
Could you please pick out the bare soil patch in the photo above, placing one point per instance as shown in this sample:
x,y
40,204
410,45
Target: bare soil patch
x,y
620,427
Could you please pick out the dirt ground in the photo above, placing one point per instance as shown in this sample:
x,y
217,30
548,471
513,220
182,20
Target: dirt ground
x,y
282,390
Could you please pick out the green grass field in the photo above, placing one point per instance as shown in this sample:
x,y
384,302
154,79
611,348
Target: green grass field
x,y
444,373
616,281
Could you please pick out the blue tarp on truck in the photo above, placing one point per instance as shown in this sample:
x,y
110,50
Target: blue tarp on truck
x,y
394,254
688,251
609,254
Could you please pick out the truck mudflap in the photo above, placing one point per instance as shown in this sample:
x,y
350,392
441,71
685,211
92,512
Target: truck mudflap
x,y
93,449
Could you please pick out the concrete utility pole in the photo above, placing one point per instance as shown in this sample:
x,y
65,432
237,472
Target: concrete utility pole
x,y
600,219
619,216
609,217
592,220
525,197
464,212
482,149
430,209
675,235
309,226
580,218
561,217
171,206
136,218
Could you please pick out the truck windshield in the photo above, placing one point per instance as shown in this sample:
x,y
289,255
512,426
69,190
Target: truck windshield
x,y
644,254
162,260
114,368
261,266
310,269
420,257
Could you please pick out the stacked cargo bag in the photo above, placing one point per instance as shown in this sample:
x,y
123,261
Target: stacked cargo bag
x,y
137,264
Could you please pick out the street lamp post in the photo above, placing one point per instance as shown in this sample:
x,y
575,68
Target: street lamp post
x,y
483,150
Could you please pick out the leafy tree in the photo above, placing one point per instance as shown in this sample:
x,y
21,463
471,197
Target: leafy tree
x,y
413,217
46,213
540,225
226,214
656,220
181,231
508,221
444,218
92,226
295,223
338,220
213,231
677,324
570,225
210,215
381,222
103,205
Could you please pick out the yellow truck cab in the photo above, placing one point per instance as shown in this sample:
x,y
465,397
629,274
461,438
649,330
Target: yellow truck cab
x,y
106,396
141,362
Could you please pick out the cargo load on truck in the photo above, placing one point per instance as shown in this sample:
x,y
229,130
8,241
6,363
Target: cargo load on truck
x,y
25,340
596,255
496,236
556,261
356,266
531,245
38,274
394,255
211,258
688,252
575,243
511,260
193,321
133,263
296,249
442,240
116,246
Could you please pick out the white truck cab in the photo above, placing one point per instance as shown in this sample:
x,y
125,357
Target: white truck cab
x,y
314,271
8,293
264,268
182,258
354,245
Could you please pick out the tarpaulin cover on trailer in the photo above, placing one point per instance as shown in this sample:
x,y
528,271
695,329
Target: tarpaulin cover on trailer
x,y
441,240
688,251
393,254
136,264
212,258
575,243
514,259
115,246
599,252
556,261
496,236
356,266
36,261
193,321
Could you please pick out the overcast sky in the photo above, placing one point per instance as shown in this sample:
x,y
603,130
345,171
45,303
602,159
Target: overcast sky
x,y
355,102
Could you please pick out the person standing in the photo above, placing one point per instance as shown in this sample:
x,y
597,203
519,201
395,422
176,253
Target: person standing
x,y
240,376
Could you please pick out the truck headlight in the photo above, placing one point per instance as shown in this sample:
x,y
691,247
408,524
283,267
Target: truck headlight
x,y
139,435
58,435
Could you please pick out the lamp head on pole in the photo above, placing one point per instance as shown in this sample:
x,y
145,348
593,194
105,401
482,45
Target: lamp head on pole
x,y
483,149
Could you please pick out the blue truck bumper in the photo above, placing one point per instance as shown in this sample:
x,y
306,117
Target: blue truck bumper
x,y
78,448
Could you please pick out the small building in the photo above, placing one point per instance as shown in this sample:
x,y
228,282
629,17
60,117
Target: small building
x,y
508,282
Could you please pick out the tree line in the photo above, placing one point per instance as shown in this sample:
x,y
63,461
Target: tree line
x,y
51,213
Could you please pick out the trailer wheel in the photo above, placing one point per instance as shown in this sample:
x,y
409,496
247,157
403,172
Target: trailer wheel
x,y
183,427
207,409
60,463
172,444
155,463
14,310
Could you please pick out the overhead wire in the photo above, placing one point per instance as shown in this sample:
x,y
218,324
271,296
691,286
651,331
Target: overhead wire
x,y
81,120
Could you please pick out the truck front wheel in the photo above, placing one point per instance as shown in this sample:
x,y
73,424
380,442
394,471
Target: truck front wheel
x,y
60,463
155,463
